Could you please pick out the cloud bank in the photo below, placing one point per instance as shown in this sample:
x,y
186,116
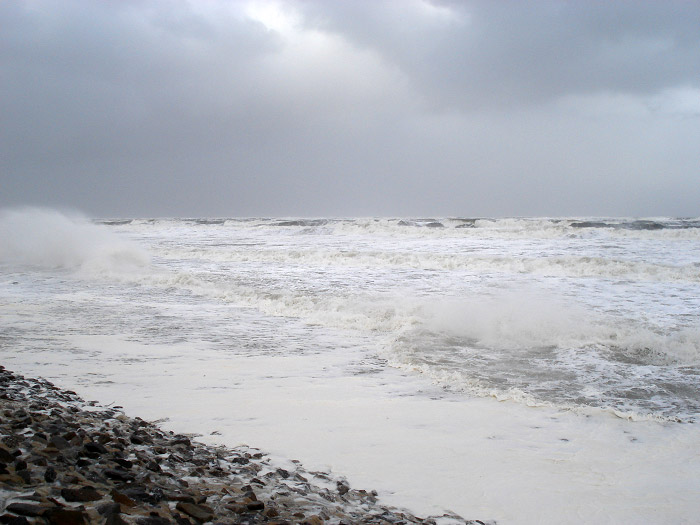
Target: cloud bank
x,y
155,108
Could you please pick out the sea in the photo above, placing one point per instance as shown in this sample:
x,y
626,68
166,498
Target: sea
x,y
523,370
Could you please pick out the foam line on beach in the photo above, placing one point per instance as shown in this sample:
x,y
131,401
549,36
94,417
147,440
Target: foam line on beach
x,y
67,461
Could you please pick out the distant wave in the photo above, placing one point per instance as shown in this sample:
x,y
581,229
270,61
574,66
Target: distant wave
x,y
474,227
676,224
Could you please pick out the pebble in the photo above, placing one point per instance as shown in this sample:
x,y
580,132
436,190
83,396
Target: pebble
x,y
63,464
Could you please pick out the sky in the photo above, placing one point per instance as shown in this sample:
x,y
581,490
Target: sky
x,y
351,107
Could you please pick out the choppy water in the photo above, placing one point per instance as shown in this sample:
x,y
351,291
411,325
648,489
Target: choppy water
x,y
577,313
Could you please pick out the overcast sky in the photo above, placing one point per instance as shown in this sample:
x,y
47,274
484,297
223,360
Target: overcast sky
x,y
351,108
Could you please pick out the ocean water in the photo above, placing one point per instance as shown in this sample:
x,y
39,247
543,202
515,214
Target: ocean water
x,y
526,370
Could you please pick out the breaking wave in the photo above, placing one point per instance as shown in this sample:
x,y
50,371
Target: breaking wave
x,y
542,351
46,238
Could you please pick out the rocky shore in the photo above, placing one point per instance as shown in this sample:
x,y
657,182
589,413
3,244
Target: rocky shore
x,y
66,461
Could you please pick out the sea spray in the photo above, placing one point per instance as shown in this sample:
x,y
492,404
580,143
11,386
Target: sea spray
x,y
47,238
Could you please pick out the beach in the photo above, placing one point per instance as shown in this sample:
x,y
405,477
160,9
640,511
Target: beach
x,y
519,370
65,461
303,261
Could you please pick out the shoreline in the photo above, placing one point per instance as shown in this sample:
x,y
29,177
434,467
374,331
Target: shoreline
x,y
65,461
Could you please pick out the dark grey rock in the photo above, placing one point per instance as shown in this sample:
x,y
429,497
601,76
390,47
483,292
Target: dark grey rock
x,y
181,440
50,475
153,466
25,476
67,517
27,509
59,442
255,505
7,455
181,520
108,509
82,494
115,519
95,448
119,474
124,463
139,494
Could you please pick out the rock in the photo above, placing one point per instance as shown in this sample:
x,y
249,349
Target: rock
x,y
67,517
59,443
114,519
181,440
39,461
50,475
124,463
119,474
22,423
181,520
27,509
122,499
153,466
13,520
7,455
82,494
153,520
107,509
198,512
140,494
236,507
24,476
174,496
95,448
255,505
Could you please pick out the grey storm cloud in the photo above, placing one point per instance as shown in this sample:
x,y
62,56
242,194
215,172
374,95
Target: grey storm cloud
x,y
502,53
351,107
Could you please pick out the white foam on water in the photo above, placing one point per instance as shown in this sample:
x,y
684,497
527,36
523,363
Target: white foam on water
x,y
538,350
586,266
515,319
